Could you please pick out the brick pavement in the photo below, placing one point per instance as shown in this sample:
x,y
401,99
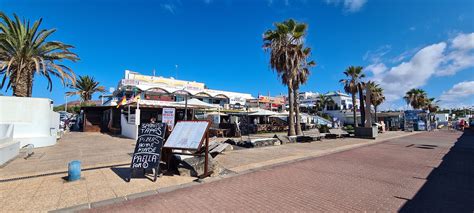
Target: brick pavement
x,y
415,173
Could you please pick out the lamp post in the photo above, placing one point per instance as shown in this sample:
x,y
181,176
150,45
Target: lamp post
x,y
185,106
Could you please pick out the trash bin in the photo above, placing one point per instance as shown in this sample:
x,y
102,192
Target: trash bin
x,y
74,170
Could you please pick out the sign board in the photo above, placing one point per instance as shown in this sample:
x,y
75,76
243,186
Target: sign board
x,y
187,135
148,147
168,117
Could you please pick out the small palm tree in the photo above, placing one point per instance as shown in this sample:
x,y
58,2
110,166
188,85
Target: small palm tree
x,y
431,104
284,44
377,97
85,87
24,52
416,98
353,74
325,101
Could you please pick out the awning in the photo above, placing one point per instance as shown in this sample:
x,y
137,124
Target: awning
x,y
263,112
197,104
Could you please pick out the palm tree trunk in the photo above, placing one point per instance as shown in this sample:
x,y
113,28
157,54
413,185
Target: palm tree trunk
x,y
362,105
297,112
291,117
375,113
30,84
354,109
20,88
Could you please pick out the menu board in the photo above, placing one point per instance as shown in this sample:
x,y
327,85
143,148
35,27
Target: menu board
x,y
187,135
148,148
168,117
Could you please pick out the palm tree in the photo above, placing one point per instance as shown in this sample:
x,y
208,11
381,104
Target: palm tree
x,y
416,98
284,44
353,74
377,97
85,87
301,78
24,52
325,101
431,104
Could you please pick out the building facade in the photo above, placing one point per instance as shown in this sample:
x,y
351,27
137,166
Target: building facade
x,y
172,90
341,100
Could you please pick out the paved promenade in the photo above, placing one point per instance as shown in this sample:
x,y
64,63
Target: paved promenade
x,y
52,192
424,172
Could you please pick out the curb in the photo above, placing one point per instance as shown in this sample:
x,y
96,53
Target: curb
x,y
92,205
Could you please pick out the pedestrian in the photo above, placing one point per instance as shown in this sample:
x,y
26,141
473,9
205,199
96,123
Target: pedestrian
x,y
462,123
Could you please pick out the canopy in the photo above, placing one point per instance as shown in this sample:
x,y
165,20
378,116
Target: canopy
x,y
197,103
263,112
215,113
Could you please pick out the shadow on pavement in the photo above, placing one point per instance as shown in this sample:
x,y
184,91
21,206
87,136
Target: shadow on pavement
x,y
450,187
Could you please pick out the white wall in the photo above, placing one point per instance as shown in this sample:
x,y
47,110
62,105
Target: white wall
x,y
129,130
32,119
442,117
9,148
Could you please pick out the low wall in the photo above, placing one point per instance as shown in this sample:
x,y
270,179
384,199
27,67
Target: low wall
x,y
33,119
9,148
128,130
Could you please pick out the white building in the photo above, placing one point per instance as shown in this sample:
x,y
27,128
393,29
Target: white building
x,y
25,121
341,100
442,117
341,109
169,89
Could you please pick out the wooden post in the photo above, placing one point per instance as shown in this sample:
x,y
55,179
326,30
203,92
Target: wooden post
x,y
206,158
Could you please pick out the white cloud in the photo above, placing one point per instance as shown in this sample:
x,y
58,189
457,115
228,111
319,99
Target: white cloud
x,y
169,7
464,41
458,92
377,55
460,57
350,6
376,69
354,5
444,58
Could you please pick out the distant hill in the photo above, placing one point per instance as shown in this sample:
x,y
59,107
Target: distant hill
x,y
78,103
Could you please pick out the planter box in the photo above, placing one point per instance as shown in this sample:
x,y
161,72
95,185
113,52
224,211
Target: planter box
x,y
366,132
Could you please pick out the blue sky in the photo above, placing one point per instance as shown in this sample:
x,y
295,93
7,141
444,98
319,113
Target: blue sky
x,y
402,44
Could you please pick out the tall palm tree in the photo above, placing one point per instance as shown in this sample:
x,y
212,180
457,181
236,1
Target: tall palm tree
x,y
301,77
416,98
24,52
85,87
353,74
284,44
377,97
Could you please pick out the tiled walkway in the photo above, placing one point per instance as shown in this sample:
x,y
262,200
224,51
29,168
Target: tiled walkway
x,y
52,192
423,172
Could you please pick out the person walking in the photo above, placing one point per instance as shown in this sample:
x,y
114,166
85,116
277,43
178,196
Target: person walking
x,y
462,123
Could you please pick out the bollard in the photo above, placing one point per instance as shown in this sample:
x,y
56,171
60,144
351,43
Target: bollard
x,y
74,170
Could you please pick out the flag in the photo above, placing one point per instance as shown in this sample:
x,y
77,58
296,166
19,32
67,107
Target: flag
x,y
137,98
122,102
132,99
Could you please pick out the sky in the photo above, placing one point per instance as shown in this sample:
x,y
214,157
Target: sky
x,y
401,44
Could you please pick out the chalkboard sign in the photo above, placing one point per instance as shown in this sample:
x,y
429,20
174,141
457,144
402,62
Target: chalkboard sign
x,y
187,135
148,148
